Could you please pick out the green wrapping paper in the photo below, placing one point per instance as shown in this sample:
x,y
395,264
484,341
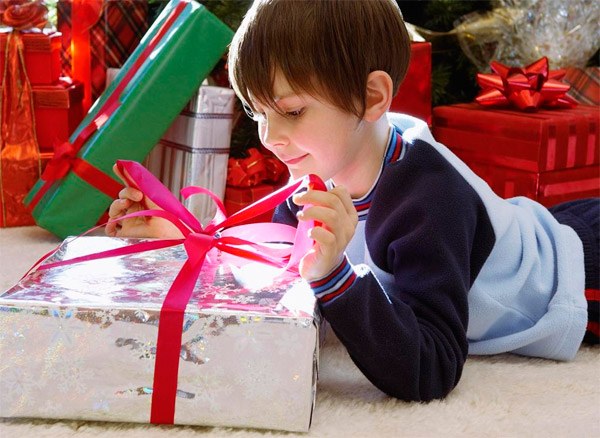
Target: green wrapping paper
x,y
149,103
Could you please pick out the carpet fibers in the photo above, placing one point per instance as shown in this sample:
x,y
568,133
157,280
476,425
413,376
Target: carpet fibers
x,y
499,396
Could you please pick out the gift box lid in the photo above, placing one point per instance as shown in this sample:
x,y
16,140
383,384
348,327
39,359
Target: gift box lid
x,y
61,95
141,281
532,141
34,40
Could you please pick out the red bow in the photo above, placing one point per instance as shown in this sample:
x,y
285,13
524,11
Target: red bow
x,y
528,88
23,14
254,170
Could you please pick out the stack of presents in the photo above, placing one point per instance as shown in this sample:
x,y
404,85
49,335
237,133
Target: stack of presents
x,y
179,332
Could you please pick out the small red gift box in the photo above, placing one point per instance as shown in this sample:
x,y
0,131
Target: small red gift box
x,y
534,141
414,94
58,111
41,55
548,188
237,198
98,34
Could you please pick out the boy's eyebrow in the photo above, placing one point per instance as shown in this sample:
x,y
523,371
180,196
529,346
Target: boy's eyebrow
x,y
288,95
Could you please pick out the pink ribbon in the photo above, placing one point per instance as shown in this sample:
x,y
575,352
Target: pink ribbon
x,y
223,233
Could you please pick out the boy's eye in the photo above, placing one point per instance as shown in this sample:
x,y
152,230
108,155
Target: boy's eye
x,y
295,113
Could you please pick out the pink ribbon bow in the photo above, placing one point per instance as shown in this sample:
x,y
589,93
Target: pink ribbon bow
x,y
528,88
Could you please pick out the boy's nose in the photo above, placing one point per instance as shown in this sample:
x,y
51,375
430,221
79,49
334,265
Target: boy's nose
x,y
273,135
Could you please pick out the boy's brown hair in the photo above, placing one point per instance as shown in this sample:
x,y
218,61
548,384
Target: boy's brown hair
x,y
325,48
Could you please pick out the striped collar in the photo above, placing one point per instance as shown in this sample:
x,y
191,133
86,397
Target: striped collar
x,y
393,153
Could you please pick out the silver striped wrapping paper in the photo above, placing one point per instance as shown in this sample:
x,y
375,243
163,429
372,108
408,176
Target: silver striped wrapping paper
x,y
195,149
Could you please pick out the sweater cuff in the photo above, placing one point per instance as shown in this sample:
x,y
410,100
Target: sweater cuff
x,y
335,283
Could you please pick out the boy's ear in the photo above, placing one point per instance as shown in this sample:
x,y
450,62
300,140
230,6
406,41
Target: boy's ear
x,y
379,95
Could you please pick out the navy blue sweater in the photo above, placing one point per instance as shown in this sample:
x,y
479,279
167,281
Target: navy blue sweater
x,y
401,300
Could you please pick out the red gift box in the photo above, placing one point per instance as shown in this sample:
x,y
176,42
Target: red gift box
x,y
548,188
237,198
98,34
41,55
17,177
58,111
414,94
549,155
536,142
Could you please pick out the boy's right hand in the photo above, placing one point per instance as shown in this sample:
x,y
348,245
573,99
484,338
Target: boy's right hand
x,y
132,200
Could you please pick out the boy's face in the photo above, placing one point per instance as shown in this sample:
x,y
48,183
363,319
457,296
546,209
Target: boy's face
x,y
312,136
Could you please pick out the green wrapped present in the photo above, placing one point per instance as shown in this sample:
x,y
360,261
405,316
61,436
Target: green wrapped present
x,y
176,54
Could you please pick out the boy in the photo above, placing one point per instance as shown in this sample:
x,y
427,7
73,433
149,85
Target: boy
x,y
417,262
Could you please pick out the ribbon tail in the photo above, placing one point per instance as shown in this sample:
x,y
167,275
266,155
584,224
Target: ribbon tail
x,y
168,346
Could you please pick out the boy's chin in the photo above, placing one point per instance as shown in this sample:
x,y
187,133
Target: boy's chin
x,y
296,174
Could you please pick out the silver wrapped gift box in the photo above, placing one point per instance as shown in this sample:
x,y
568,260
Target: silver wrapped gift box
x,y
79,341
195,149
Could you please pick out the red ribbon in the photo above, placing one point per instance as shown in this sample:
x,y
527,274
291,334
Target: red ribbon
x,y
254,169
66,160
222,233
528,88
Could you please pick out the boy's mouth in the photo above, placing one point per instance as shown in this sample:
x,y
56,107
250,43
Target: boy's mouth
x,y
292,161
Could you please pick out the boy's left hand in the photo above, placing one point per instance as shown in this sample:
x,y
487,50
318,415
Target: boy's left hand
x,y
337,219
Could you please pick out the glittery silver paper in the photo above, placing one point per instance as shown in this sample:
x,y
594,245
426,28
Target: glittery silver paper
x,y
79,342
195,149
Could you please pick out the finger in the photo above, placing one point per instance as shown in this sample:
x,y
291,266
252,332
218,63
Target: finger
x,y
111,229
117,172
130,193
124,176
325,215
343,195
118,207
325,239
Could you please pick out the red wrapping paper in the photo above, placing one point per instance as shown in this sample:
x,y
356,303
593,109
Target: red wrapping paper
x,y
57,112
548,188
18,177
98,34
543,141
414,94
585,84
41,54
237,198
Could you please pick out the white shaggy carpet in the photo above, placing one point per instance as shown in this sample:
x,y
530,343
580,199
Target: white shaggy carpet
x,y
501,396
